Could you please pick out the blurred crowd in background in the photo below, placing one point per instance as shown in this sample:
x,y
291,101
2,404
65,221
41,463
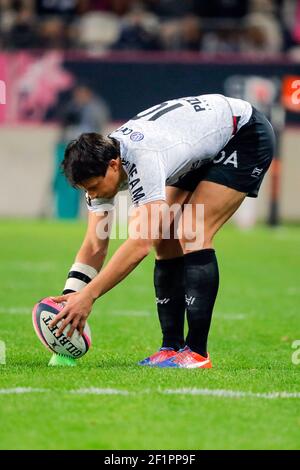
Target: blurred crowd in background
x,y
46,86
206,26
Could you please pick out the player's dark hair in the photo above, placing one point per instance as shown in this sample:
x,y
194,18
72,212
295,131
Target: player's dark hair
x,y
88,156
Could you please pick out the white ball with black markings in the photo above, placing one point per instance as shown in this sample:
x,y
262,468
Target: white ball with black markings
x,y
42,315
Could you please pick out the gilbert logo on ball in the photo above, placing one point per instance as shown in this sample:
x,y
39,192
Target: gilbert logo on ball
x,y
42,315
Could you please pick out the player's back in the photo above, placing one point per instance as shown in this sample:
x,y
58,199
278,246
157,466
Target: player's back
x,y
201,123
181,133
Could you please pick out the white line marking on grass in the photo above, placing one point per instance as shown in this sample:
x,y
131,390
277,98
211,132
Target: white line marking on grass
x,y
100,391
21,390
285,234
217,393
17,285
31,266
144,313
220,393
131,313
293,290
15,310
231,316
141,289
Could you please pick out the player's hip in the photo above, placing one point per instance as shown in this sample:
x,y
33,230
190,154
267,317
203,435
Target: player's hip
x,y
242,163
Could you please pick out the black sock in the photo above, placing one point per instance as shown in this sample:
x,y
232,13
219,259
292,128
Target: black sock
x,y
201,277
170,300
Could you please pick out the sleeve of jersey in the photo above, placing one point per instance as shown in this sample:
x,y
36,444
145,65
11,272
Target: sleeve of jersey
x,y
99,205
146,179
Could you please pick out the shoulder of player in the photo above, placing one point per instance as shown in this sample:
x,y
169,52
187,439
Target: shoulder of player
x,y
135,140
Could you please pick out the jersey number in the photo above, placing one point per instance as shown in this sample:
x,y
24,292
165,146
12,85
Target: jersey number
x,y
159,111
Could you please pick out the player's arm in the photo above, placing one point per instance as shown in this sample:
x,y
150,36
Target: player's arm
x,y
124,260
90,256
144,228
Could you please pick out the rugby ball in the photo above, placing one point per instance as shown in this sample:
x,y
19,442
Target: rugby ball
x,y
42,314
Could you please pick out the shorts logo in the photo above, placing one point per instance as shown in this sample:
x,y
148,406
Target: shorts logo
x,y
136,136
256,172
232,159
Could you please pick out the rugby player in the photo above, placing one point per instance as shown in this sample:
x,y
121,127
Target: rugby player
x,y
209,149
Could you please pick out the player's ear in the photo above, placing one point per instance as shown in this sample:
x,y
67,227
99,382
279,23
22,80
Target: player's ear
x,y
115,163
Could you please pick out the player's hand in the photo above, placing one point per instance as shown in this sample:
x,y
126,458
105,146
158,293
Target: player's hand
x,y
75,312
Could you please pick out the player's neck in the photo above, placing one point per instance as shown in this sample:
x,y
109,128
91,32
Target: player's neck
x,y
123,176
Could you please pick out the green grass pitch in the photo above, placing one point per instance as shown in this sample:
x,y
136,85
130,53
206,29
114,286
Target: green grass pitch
x,y
107,401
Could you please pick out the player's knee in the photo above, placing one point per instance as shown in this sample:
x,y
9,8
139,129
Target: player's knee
x,y
196,241
160,248
167,248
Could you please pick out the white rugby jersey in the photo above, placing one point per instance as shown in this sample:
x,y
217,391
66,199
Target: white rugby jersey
x,y
163,143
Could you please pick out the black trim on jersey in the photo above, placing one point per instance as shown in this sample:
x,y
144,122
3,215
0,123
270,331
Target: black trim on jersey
x,y
80,276
68,291
164,111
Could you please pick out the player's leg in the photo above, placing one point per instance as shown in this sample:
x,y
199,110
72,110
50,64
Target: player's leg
x,y
169,287
200,263
238,170
201,275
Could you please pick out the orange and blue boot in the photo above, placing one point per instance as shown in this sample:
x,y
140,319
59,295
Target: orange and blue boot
x,y
162,355
187,359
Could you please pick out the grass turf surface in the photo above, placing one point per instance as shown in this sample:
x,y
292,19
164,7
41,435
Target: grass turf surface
x,y
256,320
